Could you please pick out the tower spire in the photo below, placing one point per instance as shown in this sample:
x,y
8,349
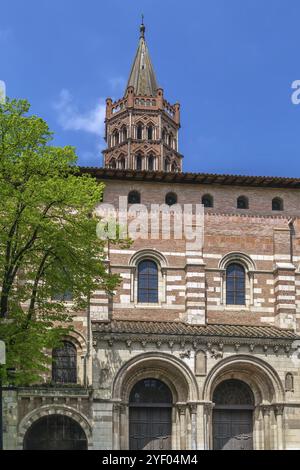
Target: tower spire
x,y
142,76
141,128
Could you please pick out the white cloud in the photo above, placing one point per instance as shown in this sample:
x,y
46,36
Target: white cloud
x,y
71,119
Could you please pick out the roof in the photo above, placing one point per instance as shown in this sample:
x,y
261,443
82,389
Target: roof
x,y
193,178
180,328
142,76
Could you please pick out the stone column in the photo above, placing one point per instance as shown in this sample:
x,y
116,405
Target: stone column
x,y
193,414
116,425
118,431
181,407
208,438
266,409
279,410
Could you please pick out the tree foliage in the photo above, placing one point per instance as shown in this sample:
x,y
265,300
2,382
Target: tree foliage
x,y
48,242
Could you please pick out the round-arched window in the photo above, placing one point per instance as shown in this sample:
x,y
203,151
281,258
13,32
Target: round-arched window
x,y
64,364
277,204
171,199
233,392
134,197
147,282
242,202
235,284
150,391
207,200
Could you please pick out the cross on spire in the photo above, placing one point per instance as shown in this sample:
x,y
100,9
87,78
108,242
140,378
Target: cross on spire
x,y
142,28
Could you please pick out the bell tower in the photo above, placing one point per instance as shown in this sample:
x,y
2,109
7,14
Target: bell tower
x,y
141,129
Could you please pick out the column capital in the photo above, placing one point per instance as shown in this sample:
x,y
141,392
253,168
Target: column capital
x,y
278,409
208,407
266,409
181,407
119,407
193,405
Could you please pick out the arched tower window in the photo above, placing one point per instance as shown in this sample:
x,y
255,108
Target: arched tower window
x,y
207,200
166,164
122,163
150,132
171,199
134,197
235,284
124,133
64,364
139,132
242,202
138,162
112,163
151,163
116,138
147,282
277,204
174,167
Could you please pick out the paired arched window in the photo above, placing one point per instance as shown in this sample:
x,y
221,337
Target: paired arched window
x,y
139,132
150,133
166,164
171,199
277,204
207,200
151,163
138,162
235,284
122,163
134,197
124,133
64,364
242,202
147,282
112,163
115,138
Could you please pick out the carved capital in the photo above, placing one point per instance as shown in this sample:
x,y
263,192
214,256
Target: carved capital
x,y
119,407
181,407
193,408
266,409
278,409
208,407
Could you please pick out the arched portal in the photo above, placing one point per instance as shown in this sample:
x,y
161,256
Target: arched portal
x,y
150,416
176,377
55,432
233,416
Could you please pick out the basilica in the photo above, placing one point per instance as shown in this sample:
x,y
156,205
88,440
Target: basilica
x,y
198,349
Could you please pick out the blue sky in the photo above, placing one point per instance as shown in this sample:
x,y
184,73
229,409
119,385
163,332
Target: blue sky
x,y
230,63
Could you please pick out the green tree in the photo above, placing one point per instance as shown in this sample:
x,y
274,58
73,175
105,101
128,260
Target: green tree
x,y
48,242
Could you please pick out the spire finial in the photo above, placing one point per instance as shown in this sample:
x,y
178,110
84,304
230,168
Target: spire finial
x,y
142,28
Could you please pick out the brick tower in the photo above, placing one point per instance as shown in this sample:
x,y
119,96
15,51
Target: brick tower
x,y
141,129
